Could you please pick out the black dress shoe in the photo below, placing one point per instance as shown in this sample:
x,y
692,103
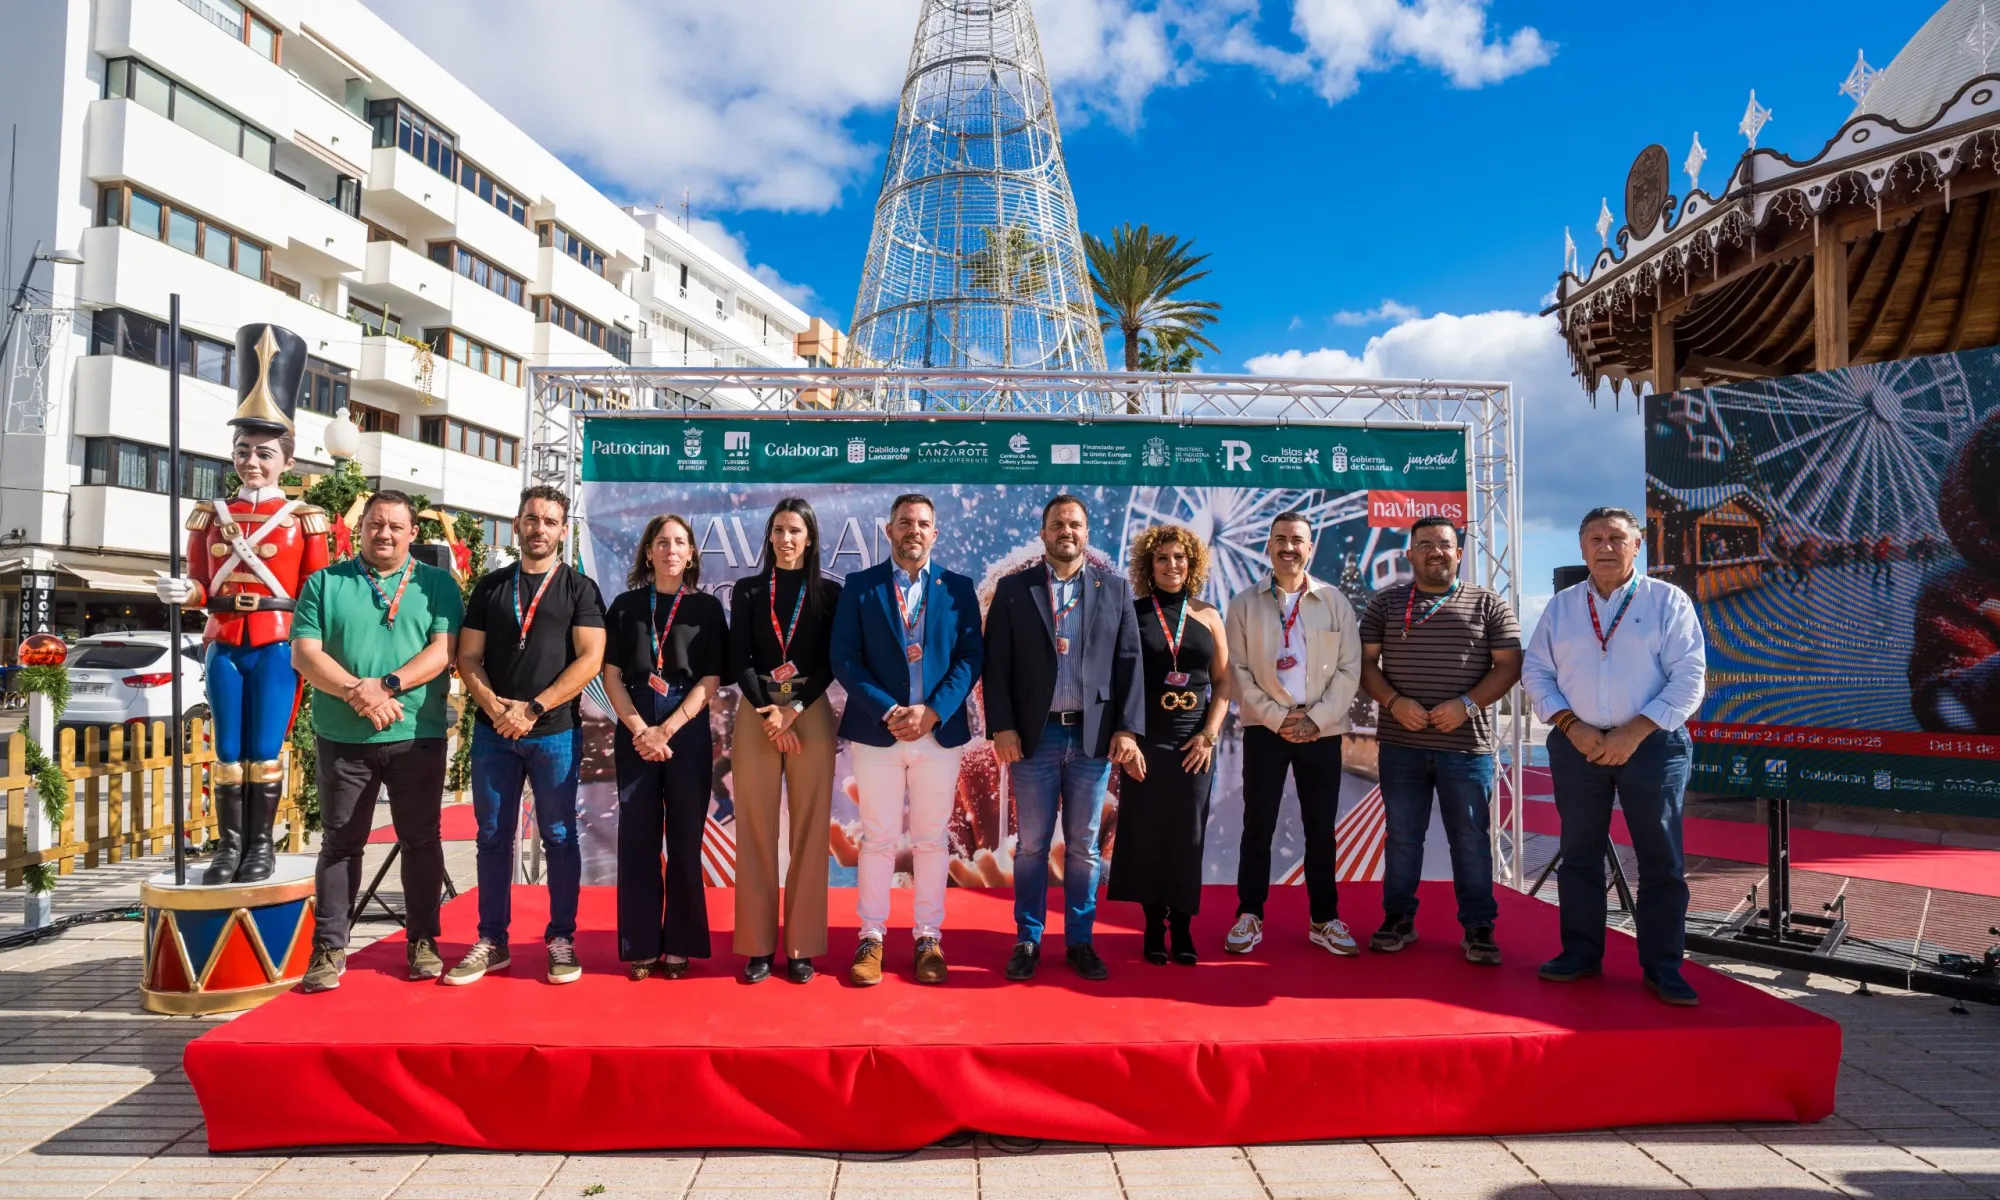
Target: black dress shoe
x,y
758,969
1083,959
1183,941
1021,966
799,970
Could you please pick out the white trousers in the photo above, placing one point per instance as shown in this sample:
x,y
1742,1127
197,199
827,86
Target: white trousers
x,y
924,775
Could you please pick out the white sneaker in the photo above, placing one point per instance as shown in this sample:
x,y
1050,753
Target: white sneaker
x,y
1245,934
563,967
1334,936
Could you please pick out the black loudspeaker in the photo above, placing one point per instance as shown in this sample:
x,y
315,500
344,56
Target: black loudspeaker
x,y
432,553
1567,577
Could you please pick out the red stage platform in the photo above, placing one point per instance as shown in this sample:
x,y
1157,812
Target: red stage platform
x,y
1288,1043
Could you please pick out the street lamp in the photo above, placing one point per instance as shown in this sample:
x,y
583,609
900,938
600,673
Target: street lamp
x,y
342,438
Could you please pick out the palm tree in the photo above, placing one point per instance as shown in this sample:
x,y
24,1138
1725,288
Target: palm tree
x,y
1168,351
1013,266
1138,277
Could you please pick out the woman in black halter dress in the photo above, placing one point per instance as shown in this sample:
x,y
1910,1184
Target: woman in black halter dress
x,y
1163,815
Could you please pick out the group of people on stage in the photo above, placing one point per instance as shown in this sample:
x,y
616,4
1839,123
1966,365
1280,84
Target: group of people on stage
x,y
1084,673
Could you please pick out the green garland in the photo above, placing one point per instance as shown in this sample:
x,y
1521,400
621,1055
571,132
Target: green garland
x,y
52,682
40,878
50,783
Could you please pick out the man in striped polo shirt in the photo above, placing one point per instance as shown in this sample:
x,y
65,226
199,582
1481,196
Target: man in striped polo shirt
x,y
1436,654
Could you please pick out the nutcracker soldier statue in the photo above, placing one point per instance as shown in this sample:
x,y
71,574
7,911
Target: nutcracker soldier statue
x,y
248,556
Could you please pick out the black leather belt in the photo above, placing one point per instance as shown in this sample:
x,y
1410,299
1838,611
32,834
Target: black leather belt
x,y
243,602
1073,717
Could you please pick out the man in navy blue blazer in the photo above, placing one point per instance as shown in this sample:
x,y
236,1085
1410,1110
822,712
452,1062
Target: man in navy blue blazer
x,y
1063,705
906,646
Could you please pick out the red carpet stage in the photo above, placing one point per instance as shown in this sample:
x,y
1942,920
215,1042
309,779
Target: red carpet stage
x,y
1286,1044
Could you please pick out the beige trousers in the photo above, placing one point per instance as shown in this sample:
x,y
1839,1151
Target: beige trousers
x,y
759,772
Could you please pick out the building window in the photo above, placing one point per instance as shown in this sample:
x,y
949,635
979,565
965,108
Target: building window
x,y
289,287
378,322
144,339
397,124
611,339
456,435
128,78
325,388
374,420
474,354
562,239
115,462
382,233
240,23
457,258
159,219
474,179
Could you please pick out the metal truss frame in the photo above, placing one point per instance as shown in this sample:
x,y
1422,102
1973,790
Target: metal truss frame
x,y
1486,411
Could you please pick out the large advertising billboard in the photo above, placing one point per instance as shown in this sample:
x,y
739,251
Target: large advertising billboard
x,y
1840,532
1360,487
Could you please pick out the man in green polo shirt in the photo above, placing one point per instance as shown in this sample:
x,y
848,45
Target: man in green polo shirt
x,y
373,637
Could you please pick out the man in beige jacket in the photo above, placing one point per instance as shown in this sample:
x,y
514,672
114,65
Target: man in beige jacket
x,y
1295,655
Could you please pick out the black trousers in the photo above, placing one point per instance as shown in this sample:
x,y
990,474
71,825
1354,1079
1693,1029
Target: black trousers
x,y
1315,767
663,911
350,776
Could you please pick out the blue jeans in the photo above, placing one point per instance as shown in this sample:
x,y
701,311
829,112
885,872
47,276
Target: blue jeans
x,y
499,767
1463,784
1059,772
1650,787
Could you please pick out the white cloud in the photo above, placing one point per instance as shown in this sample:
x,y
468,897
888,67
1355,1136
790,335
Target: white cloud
x,y
731,245
1574,457
750,104
1388,310
1344,38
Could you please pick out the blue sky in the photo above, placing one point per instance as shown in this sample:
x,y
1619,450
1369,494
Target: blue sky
x,y
1380,183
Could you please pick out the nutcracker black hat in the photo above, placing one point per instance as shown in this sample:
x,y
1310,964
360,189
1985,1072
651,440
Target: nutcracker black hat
x,y
270,371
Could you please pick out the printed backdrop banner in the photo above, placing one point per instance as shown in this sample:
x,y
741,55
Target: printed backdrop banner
x,y
1360,487
1840,533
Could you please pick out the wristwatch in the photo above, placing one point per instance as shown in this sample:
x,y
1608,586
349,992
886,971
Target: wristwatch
x,y
535,707
798,706
391,684
1471,709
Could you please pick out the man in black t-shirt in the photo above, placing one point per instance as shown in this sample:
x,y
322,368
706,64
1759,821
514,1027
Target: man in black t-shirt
x,y
533,637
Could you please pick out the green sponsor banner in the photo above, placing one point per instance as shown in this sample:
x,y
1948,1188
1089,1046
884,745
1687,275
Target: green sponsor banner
x,y
1856,777
766,449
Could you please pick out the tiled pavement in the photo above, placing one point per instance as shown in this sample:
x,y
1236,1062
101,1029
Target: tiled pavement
x,y
93,1103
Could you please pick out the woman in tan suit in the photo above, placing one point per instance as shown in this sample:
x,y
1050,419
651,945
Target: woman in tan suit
x,y
784,741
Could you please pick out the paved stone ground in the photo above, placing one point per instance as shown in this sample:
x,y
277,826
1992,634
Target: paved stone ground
x,y
93,1103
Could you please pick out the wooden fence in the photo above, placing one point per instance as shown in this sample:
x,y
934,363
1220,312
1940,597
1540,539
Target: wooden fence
x,y
121,803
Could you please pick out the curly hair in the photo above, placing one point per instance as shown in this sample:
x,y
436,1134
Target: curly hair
x,y
1150,540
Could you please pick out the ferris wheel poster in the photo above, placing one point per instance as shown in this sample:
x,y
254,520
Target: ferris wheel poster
x,y
1840,532
1360,487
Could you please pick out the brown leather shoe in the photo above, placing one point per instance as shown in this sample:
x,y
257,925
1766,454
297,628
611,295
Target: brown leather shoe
x,y
867,968
930,961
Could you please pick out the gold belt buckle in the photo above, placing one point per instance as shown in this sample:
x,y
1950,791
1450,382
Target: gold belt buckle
x,y
245,602
782,689
1176,701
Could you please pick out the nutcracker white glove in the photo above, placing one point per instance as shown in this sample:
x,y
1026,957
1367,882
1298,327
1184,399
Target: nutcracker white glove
x,y
177,590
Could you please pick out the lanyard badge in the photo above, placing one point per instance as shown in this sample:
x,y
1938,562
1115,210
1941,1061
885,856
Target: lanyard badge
x,y
526,621
1410,605
785,671
1056,615
391,605
1286,659
913,622
1176,678
1603,634
658,679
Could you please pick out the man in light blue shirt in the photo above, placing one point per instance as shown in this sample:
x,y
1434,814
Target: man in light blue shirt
x,y
1616,664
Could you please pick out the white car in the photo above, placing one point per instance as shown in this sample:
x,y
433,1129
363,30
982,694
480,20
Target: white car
x,y
124,678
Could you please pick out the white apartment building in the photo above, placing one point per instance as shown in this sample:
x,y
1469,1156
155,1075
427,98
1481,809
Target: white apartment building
x,y
300,162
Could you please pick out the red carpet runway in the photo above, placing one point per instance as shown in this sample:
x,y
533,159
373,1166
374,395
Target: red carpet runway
x,y
1286,1044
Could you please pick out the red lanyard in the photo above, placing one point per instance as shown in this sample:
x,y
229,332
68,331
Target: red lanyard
x,y
786,635
1287,621
392,605
1076,596
912,626
1411,605
1180,627
660,634
1604,635
526,621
